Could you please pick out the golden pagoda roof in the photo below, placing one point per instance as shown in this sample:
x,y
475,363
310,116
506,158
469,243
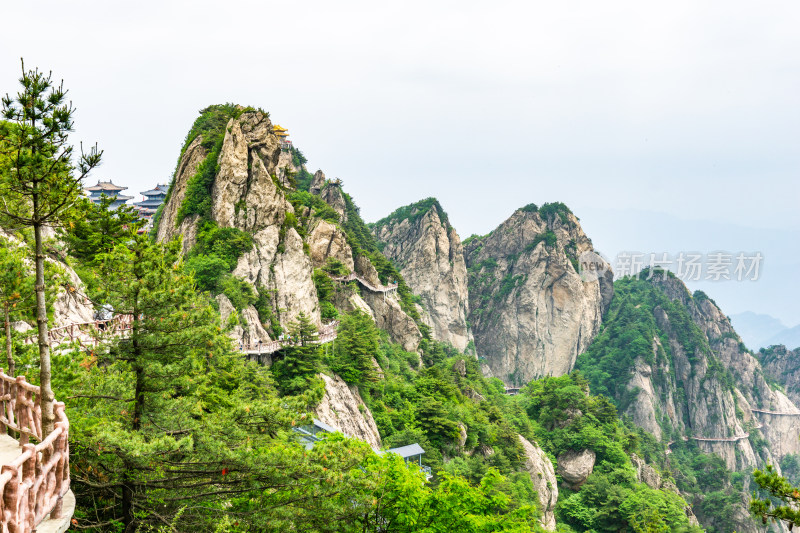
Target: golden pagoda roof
x,y
280,131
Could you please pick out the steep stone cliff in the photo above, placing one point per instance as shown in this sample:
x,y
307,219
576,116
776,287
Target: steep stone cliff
x,y
783,366
531,311
233,173
245,196
343,408
71,305
427,250
544,481
677,368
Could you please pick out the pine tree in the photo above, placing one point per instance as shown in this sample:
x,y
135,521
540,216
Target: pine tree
x,y
97,229
356,345
296,372
780,490
39,185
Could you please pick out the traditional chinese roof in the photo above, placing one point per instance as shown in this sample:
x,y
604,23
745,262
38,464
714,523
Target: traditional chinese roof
x,y
280,131
103,186
150,202
159,189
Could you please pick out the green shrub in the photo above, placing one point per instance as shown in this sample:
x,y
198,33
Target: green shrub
x,y
550,210
208,270
414,212
211,126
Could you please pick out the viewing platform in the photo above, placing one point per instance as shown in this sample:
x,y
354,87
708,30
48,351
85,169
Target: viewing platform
x,y
34,478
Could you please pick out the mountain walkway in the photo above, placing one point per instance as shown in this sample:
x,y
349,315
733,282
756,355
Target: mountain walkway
x,y
353,276
327,333
89,333
775,413
85,331
34,478
735,438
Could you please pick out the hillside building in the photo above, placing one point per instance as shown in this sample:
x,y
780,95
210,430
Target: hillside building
x,y
106,188
282,134
152,200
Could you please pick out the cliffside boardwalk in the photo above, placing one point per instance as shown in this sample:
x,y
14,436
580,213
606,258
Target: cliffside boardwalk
x,y
87,331
776,413
327,333
369,286
34,479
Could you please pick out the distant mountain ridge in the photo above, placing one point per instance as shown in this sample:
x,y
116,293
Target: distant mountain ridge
x,y
762,331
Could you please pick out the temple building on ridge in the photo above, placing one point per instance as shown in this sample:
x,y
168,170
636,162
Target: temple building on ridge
x,y
152,200
282,134
106,188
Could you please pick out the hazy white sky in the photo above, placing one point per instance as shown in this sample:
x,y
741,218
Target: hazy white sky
x,y
684,108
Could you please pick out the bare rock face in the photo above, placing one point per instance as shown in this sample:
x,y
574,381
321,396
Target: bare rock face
x,y
462,435
645,473
544,481
575,466
701,382
531,311
783,365
428,252
245,196
168,226
390,317
249,330
332,194
385,309
317,183
649,476
328,240
71,306
343,408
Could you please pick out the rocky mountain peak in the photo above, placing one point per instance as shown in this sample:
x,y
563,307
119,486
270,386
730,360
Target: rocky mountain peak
x,y
226,177
531,311
418,238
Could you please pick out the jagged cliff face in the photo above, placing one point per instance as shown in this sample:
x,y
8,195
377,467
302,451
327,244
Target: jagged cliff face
x,y
543,478
71,305
696,381
251,191
531,311
386,309
244,196
428,252
771,408
783,366
343,408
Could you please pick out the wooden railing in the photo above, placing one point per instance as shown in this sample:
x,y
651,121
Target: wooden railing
x,y
353,276
83,330
33,484
327,333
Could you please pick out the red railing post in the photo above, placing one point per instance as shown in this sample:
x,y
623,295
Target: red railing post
x,y
29,501
20,412
11,499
